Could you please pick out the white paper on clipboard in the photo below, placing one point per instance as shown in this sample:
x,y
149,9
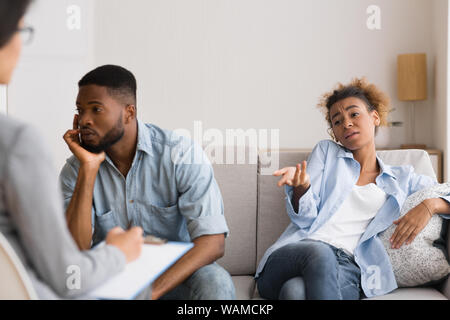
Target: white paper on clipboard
x,y
137,275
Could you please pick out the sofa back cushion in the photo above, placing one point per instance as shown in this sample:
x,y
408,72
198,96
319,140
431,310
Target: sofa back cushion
x,y
272,217
237,183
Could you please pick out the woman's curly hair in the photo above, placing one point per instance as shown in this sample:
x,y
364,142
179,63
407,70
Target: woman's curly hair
x,y
374,98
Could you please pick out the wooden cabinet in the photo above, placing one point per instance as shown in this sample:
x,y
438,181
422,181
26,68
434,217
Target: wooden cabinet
x,y
436,161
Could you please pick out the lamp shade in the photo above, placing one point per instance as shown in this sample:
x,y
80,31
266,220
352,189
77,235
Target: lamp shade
x,y
412,77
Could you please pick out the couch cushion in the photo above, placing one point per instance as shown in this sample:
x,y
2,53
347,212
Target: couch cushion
x,y
412,294
419,159
237,183
272,217
245,287
398,294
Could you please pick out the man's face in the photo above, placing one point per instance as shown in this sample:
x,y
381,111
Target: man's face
x,y
100,118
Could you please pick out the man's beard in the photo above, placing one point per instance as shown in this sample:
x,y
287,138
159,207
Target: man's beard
x,y
110,138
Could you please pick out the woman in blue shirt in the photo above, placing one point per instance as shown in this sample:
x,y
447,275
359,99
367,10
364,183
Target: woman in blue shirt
x,y
329,251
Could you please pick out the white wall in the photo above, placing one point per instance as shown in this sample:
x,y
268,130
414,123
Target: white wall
x,y
440,120
44,86
260,63
3,99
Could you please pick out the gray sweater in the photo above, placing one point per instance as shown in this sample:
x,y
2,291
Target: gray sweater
x,y
33,221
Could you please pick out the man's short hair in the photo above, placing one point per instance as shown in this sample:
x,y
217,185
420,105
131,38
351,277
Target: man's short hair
x,y
120,83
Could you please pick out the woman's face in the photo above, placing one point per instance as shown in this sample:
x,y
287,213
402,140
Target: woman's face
x,y
353,125
9,55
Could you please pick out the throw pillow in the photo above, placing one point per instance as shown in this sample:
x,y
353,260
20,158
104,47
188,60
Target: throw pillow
x,y
419,262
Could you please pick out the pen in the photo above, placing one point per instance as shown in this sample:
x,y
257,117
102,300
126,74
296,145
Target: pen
x,y
149,239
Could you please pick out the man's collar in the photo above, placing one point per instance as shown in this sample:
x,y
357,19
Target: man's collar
x,y
143,139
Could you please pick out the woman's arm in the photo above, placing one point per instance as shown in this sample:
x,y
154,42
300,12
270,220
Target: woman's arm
x,y
297,194
419,182
412,223
296,177
305,208
438,206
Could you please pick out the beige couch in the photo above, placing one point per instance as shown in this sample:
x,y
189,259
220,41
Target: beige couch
x,y
256,216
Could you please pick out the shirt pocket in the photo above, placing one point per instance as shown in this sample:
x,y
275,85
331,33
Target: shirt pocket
x,y
164,222
103,224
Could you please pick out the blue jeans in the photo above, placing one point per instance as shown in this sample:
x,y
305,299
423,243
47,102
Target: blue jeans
x,y
211,282
310,269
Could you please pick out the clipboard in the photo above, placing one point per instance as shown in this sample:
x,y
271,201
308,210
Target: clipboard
x,y
155,259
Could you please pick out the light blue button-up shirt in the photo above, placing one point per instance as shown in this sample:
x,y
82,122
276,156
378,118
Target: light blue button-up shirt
x,y
170,190
333,172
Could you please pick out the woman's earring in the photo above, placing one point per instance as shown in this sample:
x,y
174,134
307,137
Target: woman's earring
x,y
331,133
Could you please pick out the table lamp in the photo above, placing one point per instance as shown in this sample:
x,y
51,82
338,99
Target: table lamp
x,y
412,86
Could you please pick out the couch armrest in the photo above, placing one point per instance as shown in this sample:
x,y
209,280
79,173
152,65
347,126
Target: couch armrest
x,y
445,289
448,238
446,286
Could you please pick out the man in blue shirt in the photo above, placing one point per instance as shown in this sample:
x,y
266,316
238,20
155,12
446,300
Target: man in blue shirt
x,y
127,173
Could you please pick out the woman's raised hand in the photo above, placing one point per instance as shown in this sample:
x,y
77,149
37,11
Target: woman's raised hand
x,y
294,176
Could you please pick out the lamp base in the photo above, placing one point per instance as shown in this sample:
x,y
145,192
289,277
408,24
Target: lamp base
x,y
413,146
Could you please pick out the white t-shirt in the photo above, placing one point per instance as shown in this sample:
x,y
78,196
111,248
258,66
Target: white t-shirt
x,y
348,224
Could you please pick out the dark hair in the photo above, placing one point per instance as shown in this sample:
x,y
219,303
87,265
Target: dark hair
x,y
360,88
11,11
348,92
119,82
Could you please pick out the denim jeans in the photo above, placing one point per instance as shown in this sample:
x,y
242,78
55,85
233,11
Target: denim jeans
x,y
211,282
310,269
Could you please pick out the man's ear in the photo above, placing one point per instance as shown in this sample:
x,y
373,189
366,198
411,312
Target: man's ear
x,y
130,113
